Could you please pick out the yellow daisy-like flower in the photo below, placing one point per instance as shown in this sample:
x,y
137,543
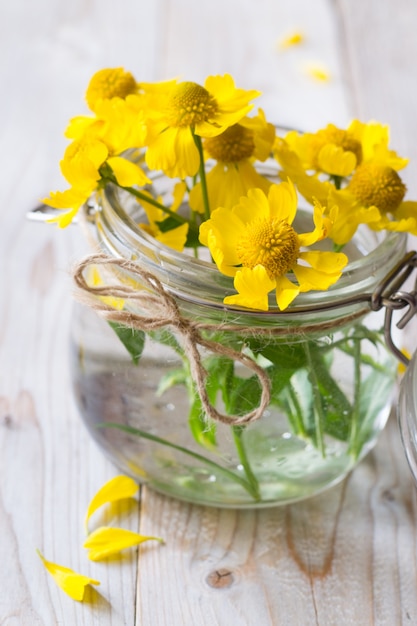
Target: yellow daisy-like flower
x,y
331,150
358,157
256,243
188,108
234,174
102,142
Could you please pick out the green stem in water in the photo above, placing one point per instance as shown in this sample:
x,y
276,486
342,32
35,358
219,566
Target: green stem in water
x,y
296,417
215,466
241,450
203,179
319,417
354,428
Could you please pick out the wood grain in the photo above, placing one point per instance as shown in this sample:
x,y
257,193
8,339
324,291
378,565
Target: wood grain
x,y
344,558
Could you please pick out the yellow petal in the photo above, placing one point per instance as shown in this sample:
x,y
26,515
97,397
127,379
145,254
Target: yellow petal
x,y
68,199
64,219
174,238
335,160
178,194
253,206
326,262
117,488
253,287
318,72
69,581
293,39
127,173
310,278
286,291
106,541
283,201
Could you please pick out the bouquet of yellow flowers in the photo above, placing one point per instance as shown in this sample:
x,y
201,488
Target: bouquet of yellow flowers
x,y
273,214
203,138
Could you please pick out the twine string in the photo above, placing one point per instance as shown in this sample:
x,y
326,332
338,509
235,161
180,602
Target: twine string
x,y
160,310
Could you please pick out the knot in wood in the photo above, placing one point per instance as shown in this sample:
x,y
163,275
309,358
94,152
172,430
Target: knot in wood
x,y
220,578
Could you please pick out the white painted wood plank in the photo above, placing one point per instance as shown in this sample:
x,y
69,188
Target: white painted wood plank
x,y
347,557
344,557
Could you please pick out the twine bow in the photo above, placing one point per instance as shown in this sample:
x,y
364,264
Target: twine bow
x,y
160,310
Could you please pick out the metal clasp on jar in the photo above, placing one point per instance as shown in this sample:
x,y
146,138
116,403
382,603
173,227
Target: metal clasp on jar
x,y
389,295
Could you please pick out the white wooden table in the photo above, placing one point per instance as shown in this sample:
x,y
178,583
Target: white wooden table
x,y
347,557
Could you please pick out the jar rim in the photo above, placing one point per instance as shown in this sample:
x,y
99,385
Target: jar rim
x,y
374,254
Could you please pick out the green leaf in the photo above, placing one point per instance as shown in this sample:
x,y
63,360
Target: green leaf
x,y
337,409
202,428
167,224
244,395
219,375
174,377
132,339
291,355
373,398
166,338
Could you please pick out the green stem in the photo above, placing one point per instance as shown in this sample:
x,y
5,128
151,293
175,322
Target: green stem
x,y
142,196
218,468
319,417
203,180
241,450
296,417
354,428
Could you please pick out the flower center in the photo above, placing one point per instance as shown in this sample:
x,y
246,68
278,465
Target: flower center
x,y
341,138
191,104
272,243
234,144
110,83
378,185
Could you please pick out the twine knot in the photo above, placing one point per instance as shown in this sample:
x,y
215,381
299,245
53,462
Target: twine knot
x,y
159,309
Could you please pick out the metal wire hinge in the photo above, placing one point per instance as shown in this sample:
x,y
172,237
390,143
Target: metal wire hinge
x,y
389,295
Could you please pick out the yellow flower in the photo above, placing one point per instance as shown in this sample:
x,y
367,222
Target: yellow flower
x,y
331,150
234,174
110,83
256,243
188,108
82,167
69,581
117,488
106,541
374,140
359,158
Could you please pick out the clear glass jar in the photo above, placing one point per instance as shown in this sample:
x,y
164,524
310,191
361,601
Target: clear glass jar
x,y
407,414
331,376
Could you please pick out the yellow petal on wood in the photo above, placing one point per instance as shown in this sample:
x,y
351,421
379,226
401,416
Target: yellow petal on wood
x,y
118,488
106,541
317,72
69,581
293,39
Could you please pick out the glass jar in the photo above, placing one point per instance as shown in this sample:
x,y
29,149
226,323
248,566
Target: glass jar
x,y
407,414
326,397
